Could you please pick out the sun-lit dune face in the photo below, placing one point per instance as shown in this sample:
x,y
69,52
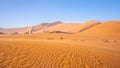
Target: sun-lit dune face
x,y
107,27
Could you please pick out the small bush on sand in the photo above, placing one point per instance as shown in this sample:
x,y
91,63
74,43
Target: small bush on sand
x,y
26,33
105,40
15,33
50,38
61,38
115,41
82,40
2,33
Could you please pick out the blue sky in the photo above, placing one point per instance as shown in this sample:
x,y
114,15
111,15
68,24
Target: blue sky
x,y
20,13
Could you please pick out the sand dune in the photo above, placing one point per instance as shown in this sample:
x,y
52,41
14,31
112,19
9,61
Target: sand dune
x,y
64,27
12,30
30,28
70,27
110,29
107,27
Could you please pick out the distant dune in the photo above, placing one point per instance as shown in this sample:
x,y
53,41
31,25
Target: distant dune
x,y
12,30
30,28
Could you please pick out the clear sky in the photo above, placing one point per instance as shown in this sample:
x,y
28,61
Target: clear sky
x,y
20,13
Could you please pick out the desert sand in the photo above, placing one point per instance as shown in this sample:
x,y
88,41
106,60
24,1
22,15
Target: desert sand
x,y
96,46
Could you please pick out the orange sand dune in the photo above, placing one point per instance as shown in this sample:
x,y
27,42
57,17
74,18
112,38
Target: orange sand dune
x,y
107,27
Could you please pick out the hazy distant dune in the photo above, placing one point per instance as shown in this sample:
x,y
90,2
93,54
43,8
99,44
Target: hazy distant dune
x,y
29,28
12,30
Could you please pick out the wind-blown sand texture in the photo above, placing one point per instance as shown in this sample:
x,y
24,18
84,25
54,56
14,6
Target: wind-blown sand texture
x,y
55,54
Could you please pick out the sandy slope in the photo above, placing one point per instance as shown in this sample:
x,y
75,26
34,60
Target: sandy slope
x,y
106,28
88,25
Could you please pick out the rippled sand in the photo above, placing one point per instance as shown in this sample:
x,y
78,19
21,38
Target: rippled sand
x,y
25,53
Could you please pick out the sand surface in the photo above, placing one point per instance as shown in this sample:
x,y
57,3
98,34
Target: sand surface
x,y
26,51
